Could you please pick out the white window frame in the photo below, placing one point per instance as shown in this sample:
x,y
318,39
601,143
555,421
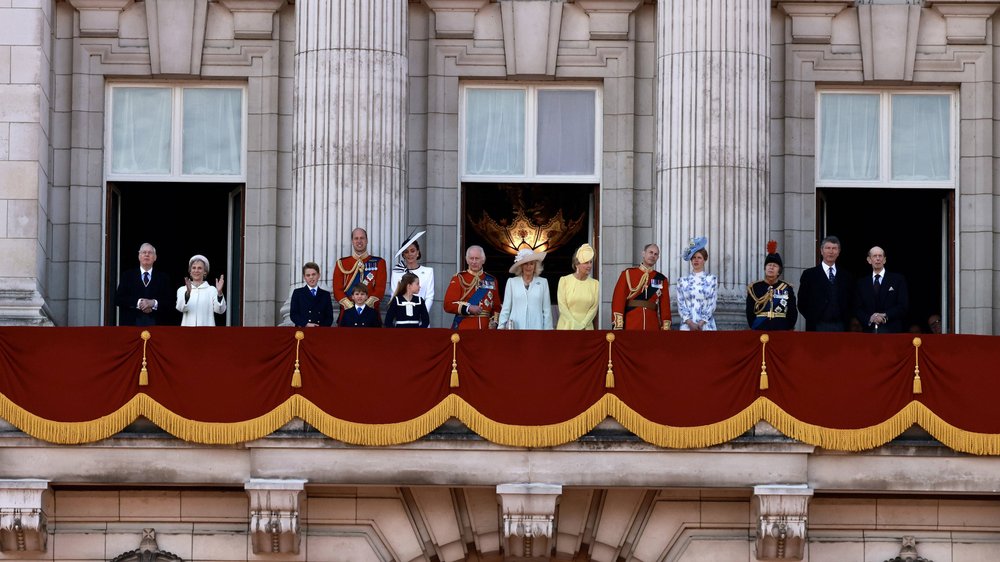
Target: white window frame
x,y
176,134
531,133
885,140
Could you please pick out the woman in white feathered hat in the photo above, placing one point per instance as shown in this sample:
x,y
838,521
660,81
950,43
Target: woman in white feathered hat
x,y
526,301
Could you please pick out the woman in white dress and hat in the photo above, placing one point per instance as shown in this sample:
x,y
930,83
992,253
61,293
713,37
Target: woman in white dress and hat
x,y
697,292
408,261
198,300
526,301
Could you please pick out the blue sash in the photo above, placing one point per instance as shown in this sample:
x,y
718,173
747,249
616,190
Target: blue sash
x,y
486,283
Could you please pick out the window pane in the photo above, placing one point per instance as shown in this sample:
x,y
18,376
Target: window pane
x,y
213,131
921,137
566,132
848,148
494,132
140,130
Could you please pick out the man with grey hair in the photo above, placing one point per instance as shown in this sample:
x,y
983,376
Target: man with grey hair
x,y
144,293
826,291
473,295
882,299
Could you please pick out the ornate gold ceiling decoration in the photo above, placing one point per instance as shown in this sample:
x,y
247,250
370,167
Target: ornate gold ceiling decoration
x,y
522,232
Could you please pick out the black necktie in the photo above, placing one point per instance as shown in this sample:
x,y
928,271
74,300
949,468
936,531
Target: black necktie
x,y
145,278
878,283
833,276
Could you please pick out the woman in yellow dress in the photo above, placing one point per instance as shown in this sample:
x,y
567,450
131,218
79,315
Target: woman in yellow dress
x,y
578,293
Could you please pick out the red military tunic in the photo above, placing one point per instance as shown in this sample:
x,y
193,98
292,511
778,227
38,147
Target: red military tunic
x,y
365,269
641,300
467,289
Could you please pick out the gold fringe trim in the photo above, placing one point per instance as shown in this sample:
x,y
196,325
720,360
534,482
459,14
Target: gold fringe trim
x,y
143,373
71,433
609,377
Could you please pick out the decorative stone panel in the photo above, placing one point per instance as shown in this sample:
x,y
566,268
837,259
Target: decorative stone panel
x,y
812,22
253,19
781,527
528,512
908,553
22,515
99,18
274,515
531,36
888,40
175,48
455,19
966,24
148,551
609,18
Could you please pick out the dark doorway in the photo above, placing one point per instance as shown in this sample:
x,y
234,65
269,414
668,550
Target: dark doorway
x,y
179,220
564,213
913,226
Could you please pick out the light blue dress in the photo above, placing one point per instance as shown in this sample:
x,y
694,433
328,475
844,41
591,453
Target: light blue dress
x,y
697,295
529,308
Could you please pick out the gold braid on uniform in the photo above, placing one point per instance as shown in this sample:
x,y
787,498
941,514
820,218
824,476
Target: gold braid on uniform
x,y
759,303
643,281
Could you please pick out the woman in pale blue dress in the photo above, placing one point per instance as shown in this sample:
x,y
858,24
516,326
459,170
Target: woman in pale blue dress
x,y
697,293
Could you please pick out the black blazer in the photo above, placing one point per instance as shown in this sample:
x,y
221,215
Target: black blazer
x,y
893,299
130,290
307,309
821,301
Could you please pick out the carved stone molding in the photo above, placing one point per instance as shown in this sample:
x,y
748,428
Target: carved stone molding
x,y
888,40
253,19
908,553
148,551
99,18
528,515
781,527
966,24
455,19
531,36
177,51
274,515
22,515
609,18
812,22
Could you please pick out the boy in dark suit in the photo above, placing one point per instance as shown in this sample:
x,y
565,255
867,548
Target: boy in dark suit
x,y
360,315
311,306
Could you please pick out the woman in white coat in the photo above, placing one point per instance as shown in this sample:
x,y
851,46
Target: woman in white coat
x,y
526,301
198,300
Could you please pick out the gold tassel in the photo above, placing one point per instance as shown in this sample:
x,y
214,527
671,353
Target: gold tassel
x,y
143,373
918,388
297,375
454,360
609,378
764,338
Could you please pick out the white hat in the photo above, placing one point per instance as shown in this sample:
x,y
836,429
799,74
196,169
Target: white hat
x,y
202,259
524,256
400,264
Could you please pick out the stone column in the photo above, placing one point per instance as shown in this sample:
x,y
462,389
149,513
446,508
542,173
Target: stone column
x,y
349,161
713,66
25,88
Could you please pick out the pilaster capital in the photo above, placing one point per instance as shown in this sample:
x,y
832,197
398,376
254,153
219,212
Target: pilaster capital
x,y
608,18
528,509
812,22
22,515
781,526
99,18
253,19
965,24
455,19
274,514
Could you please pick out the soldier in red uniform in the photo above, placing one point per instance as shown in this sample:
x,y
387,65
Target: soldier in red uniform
x,y
473,296
359,267
642,296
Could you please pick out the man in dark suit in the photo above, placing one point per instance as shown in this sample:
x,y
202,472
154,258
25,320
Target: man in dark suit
x,y
311,306
143,294
825,291
882,299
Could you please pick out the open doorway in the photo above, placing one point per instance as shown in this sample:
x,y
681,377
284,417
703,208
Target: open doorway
x,y
555,218
180,220
913,226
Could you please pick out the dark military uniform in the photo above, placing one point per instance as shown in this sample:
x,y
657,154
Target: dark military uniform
x,y
771,307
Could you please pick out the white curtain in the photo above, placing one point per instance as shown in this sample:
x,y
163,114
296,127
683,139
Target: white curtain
x,y
566,130
494,132
140,130
213,131
921,137
849,137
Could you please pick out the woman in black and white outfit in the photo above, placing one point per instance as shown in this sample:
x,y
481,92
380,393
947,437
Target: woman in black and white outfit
x,y
406,307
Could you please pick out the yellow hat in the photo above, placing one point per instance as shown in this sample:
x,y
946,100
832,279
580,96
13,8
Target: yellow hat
x,y
584,253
